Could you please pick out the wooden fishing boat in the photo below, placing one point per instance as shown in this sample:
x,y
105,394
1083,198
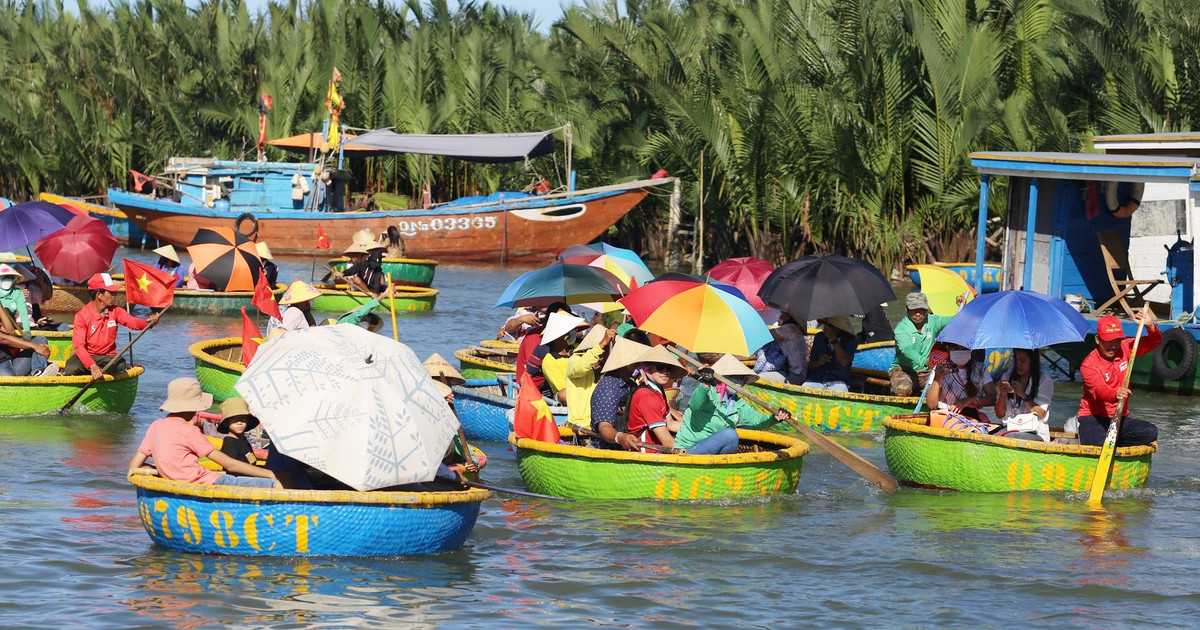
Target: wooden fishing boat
x,y
991,274
31,395
765,464
485,407
340,299
411,272
475,363
830,411
935,457
218,365
197,518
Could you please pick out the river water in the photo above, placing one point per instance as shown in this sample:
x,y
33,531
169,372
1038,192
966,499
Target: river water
x,y
839,553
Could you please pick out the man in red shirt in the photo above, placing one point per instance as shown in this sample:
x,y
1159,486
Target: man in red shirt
x,y
1104,383
95,334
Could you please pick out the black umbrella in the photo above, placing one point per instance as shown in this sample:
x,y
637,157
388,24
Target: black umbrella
x,y
824,286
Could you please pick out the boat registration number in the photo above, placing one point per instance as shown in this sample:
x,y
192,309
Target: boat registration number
x,y
448,224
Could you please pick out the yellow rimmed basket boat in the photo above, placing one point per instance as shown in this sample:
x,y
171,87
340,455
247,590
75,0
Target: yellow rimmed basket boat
x,y
32,395
339,299
412,272
829,411
481,364
71,299
766,464
218,365
198,518
60,342
934,457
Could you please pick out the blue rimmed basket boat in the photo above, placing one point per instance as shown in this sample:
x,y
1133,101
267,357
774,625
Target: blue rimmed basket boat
x,y
228,520
485,407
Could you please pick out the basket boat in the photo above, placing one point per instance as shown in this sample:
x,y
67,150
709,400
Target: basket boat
x,y
31,395
581,472
198,518
991,274
477,364
412,272
934,457
218,365
61,344
875,356
485,407
830,411
71,299
339,299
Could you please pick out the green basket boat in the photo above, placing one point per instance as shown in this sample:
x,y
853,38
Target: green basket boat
x,y
217,302
411,272
61,345
475,363
218,365
938,458
337,299
32,395
830,411
580,472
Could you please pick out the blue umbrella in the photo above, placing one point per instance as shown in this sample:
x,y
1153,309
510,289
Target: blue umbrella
x,y
1015,319
573,284
28,222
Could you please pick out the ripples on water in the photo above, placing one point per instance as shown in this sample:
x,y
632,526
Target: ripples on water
x,y
838,554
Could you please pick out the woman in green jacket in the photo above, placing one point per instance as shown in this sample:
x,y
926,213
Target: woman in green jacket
x,y
715,411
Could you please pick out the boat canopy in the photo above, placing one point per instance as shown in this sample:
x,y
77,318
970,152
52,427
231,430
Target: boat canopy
x,y
479,147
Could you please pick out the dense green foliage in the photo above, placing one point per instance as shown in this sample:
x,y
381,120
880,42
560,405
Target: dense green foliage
x,y
813,125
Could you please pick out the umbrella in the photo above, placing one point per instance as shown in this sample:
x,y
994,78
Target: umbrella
x,y
353,404
942,286
747,274
225,258
813,287
28,222
573,284
82,248
627,269
1015,319
698,316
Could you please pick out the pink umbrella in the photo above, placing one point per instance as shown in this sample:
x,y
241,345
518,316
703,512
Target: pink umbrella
x,y
747,274
82,248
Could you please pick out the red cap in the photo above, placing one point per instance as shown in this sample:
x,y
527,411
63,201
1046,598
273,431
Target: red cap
x,y
103,281
1109,328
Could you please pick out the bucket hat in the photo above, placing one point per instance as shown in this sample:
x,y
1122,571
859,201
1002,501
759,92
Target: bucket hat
x,y
232,409
184,394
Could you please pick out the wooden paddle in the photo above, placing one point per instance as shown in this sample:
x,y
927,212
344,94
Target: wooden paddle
x,y
658,448
849,458
392,304
112,362
1100,480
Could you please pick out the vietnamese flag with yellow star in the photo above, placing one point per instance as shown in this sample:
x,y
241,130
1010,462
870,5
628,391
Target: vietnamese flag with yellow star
x,y
148,286
251,338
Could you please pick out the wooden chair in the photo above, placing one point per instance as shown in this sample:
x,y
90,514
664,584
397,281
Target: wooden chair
x,y
1116,261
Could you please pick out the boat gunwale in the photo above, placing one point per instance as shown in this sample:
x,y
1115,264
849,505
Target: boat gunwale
x,y
903,423
339,497
476,359
817,392
54,381
201,350
410,292
424,262
794,448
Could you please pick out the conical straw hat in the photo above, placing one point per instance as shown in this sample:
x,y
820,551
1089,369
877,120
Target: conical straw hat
x,y
364,237
168,252
624,352
263,250
592,339
728,366
559,324
299,292
437,366
660,354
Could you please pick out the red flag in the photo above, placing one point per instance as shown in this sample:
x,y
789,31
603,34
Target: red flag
x,y
532,418
322,238
148,286
251,338
264,299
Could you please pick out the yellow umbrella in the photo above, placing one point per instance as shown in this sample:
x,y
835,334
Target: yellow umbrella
x,y
943,286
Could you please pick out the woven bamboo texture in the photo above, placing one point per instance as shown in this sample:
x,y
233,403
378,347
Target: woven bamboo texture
x,y
218,365
832,412
32,395
413,272
930,457
336,299
474,365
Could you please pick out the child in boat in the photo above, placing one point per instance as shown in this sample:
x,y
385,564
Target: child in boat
x,y
963,384
649,418
610,398
177,444
235,421
168,261
1104,383
832,356
715,411
1023,397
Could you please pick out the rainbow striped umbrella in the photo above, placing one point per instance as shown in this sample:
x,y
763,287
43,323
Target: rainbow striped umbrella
x,y
697,316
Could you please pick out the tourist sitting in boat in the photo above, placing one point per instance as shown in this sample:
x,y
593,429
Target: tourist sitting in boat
x,y
268,263
547,366
14,298
583,372
392,242
197,282
914,339
1023,397
236,420
962,384
832,356
295,309
365,271
876,327
715,411
785,358
168,262
610,398
291,472
649,419
22,357
177,444
520,323
1104,383
95,334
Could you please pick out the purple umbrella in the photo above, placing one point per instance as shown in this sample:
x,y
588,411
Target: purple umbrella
x,y
28,222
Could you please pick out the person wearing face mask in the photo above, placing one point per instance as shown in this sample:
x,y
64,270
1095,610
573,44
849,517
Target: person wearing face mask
x,y
13,298
963,385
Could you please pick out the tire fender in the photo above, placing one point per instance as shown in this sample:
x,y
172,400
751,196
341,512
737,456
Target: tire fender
x,y
1187,360
246,216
